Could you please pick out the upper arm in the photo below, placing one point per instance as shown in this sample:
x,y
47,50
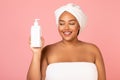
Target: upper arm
x,y
44,63
100,64
43,68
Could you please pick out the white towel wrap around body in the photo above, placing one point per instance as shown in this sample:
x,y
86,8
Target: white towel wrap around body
x,y
72,71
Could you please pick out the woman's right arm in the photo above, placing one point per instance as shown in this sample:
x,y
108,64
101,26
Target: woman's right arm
x,y
34,72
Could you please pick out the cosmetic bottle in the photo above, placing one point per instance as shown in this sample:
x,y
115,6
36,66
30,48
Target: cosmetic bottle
x,y
36,34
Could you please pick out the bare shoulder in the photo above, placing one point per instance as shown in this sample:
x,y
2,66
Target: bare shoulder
x,y
91,47
47,50
50,47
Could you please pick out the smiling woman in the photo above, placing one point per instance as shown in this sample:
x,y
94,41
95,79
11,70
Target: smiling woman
x,y
68,26
70,58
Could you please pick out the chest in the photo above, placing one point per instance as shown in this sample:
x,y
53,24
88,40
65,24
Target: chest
x,y
71,55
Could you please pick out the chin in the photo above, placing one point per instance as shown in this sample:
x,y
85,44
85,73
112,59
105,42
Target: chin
x,y
68,39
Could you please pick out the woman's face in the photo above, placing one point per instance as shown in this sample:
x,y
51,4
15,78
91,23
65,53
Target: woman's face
x,y
68,26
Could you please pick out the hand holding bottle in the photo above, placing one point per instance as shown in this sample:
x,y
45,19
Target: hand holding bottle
x,y
36,39
37,50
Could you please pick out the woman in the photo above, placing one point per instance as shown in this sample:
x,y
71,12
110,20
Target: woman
x,y
70,58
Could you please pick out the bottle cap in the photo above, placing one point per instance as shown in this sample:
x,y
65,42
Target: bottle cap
x,y
36,22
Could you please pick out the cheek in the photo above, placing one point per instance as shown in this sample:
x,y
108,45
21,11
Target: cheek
x,y
60,28
75,28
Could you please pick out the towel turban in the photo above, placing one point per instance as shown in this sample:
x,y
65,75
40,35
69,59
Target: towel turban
x,y
75,10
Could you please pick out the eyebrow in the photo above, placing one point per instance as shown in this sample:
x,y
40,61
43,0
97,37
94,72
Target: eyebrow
x,y
69,20
72,20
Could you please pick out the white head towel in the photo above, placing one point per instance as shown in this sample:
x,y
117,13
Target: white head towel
x,y
76,11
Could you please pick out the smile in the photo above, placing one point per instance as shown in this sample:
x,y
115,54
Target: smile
x,y
67,33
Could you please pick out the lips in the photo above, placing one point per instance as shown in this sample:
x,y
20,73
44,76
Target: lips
x,y
67,33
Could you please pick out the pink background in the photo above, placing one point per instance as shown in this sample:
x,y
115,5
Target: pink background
x,y
17,16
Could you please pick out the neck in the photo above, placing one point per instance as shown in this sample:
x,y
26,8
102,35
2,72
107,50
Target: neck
x,y
70,43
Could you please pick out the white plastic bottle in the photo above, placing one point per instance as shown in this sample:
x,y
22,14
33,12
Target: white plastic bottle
x,y
36,34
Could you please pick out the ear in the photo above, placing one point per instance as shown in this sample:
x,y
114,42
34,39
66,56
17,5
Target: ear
x,y
78,30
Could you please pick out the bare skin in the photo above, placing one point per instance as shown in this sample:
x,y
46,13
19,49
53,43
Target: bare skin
x,y
69,49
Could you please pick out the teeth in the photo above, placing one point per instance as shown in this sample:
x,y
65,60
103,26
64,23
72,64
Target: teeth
x,y
67,33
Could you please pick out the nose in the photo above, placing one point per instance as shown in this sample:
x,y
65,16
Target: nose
x,y
66,26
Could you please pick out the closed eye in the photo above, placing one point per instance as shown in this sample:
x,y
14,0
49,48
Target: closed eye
x,y
72,23
61,23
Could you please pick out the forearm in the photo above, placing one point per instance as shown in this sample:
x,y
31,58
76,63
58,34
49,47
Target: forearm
x,y
34,69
